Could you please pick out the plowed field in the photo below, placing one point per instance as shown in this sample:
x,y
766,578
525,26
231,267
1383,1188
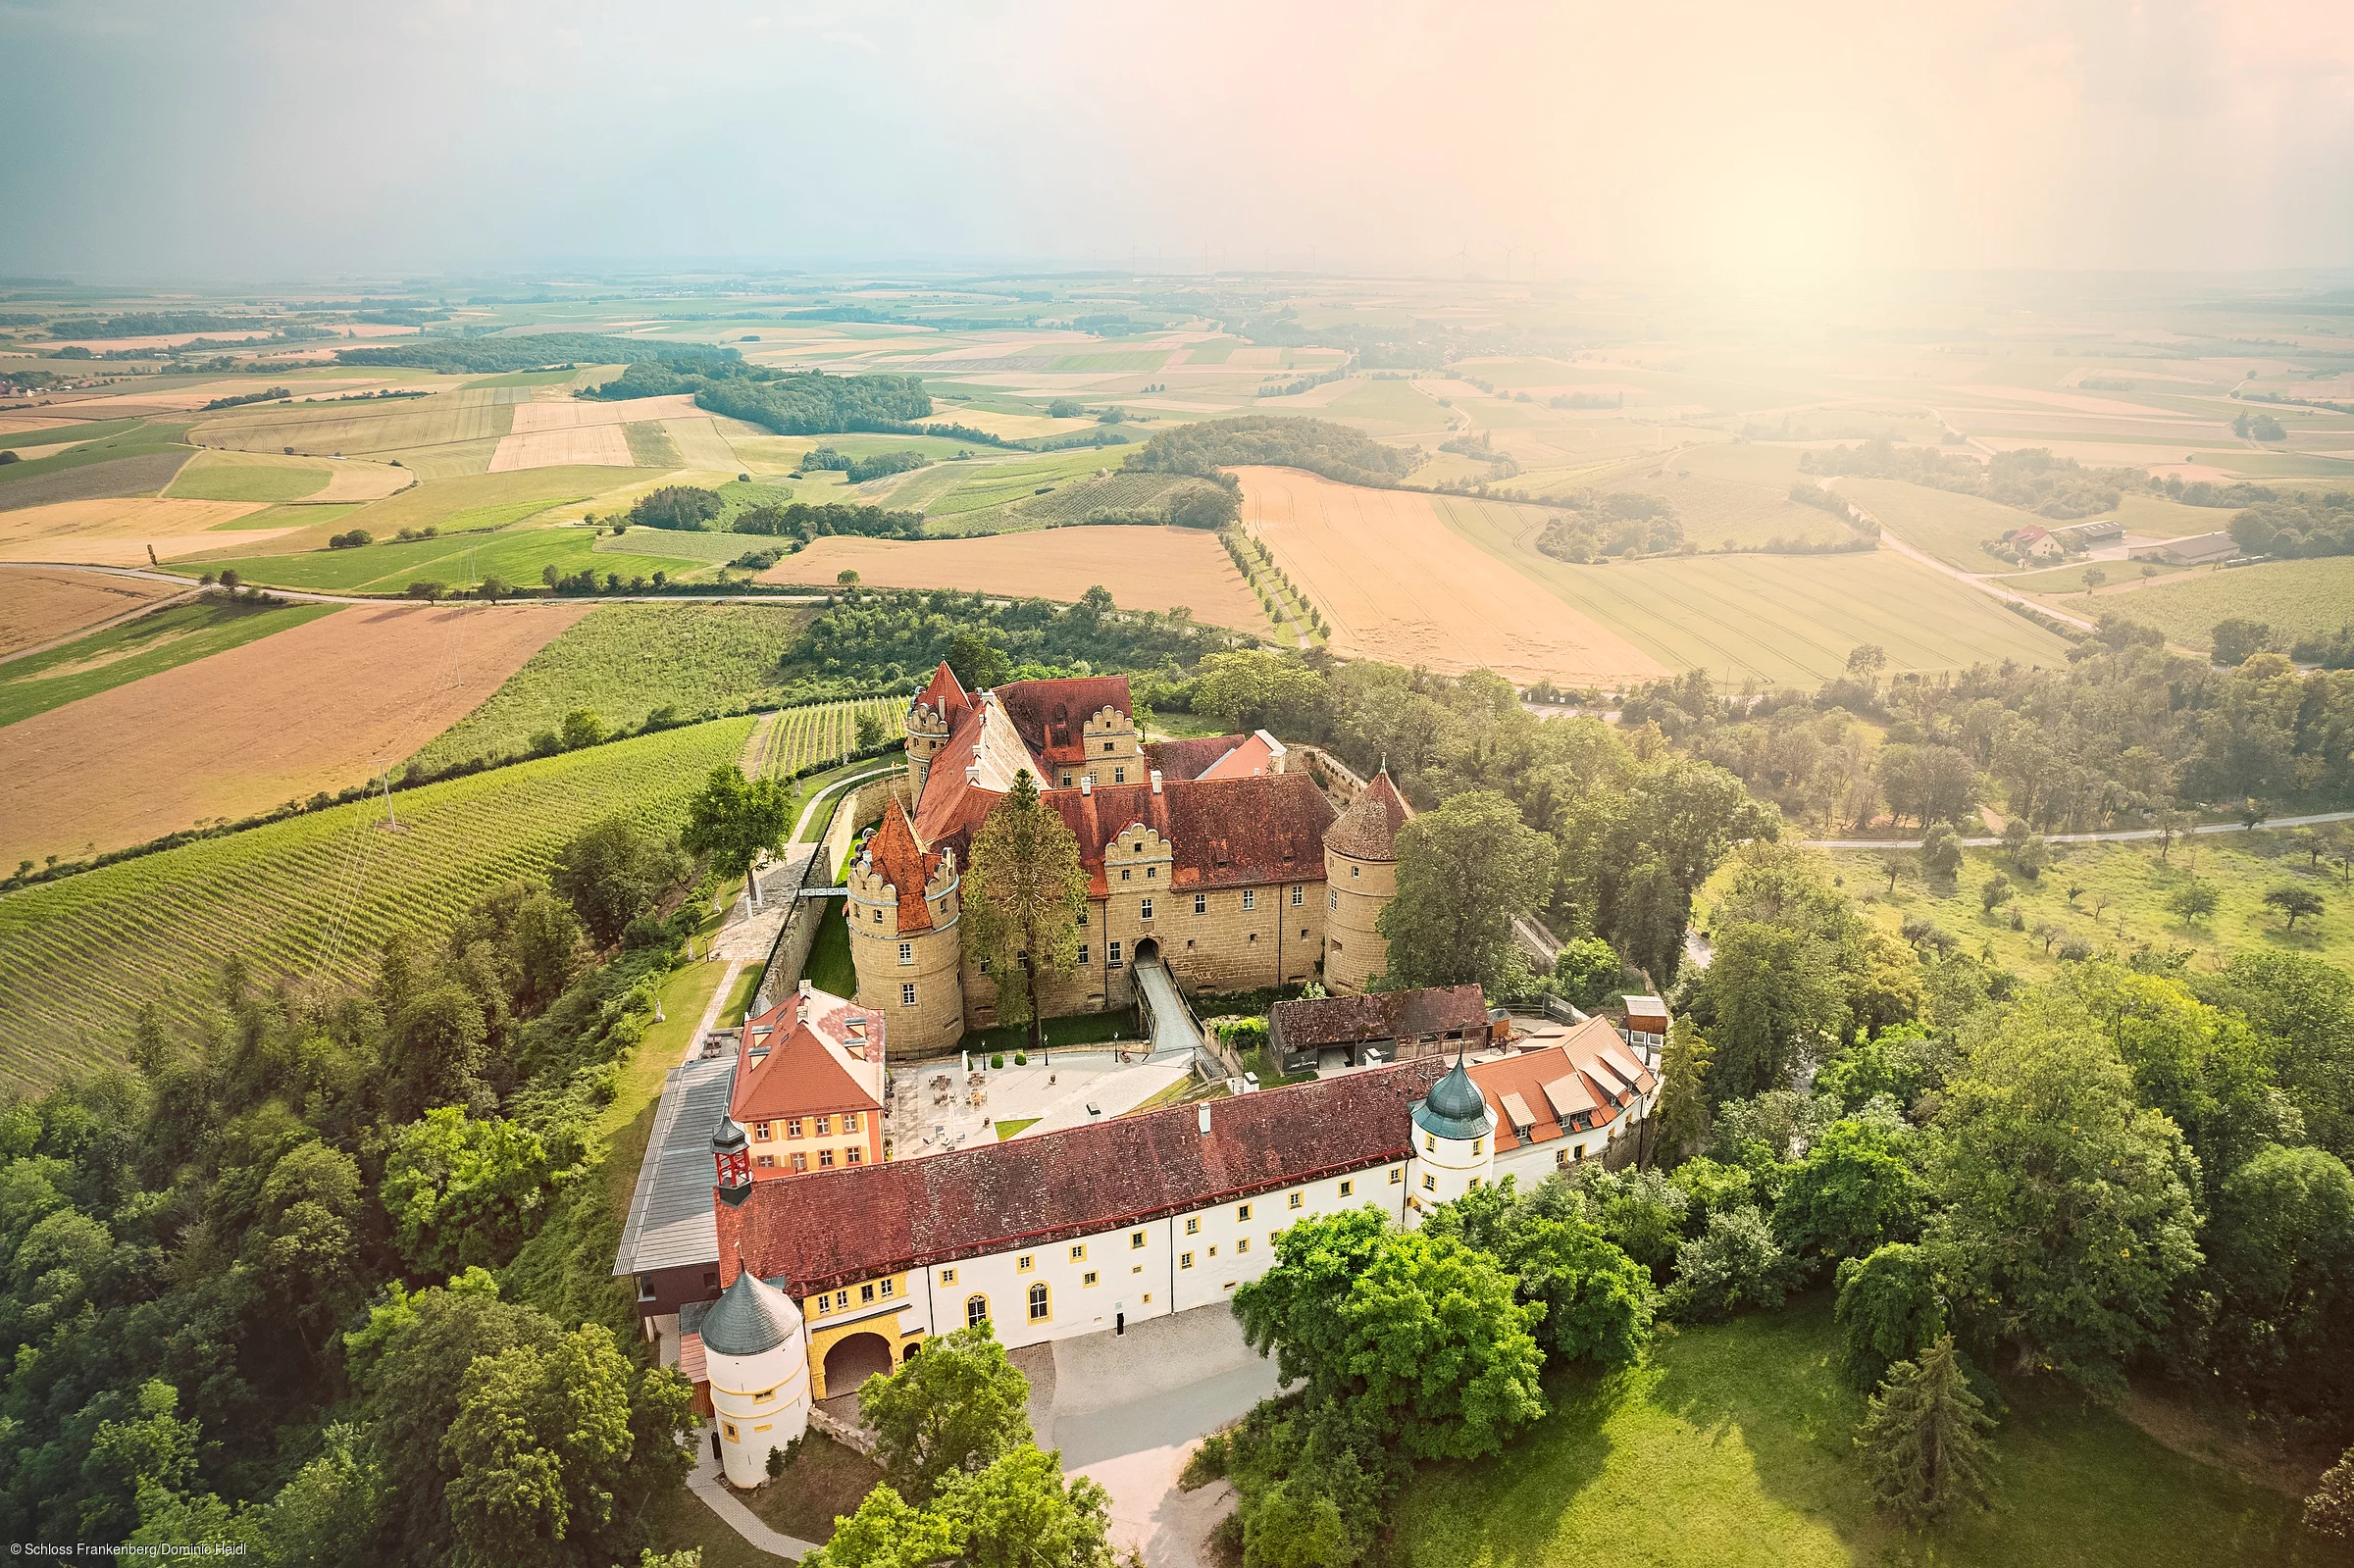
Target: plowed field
x,y
118,531
39,606
313,708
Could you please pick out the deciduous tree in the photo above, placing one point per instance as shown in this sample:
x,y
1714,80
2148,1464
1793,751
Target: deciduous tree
x,y
1465,873
732,819
955,1408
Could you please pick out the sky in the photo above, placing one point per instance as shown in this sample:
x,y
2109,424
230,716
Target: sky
x,y
1809,137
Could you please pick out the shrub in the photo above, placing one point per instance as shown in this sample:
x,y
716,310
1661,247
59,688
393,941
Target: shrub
x,y
996,1059
1021,1058
1732,1265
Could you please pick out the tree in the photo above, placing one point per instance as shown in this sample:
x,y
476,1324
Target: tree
x,y
977,662
1596,1300
2294,901
870,731
2172,825
1941,851
1852,1193
2067,1211
846,578
2329,1511
2302,1010
2251,813
1680,1124
2094,576
2281,1267
1890,1309
733,819
1066,408
1924,1440
463,1192
1023,895
1018,1512
583,727
1994,892
1770,997
1588,970
2240,640
1731,1265
614,871
493,587
1896,862
956,1408
1866,661
1258,688
1466,872
2194,901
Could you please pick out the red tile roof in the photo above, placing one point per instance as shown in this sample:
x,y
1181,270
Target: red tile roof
x,y
1574,1086
905,865
1252,756
1050,715
860,1222
809,1068
946,693
1227,833
1382,1015
1368,828
1189,759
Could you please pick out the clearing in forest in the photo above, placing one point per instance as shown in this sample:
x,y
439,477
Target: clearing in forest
x,y
1395,582
315,707
40,605
1144,568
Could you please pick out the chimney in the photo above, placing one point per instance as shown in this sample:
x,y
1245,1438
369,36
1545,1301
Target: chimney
x,y
1156,780
1202,1118
1087,784
972,773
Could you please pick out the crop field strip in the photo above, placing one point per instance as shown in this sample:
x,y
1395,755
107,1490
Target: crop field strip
x,y
314,896
462,560
179,634
825,731
2295,598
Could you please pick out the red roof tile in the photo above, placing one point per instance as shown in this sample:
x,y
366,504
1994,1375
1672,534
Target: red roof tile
x,y
1227,833
1576,1086
1368,828
1189,759
946,693
857,1223
1380,1015
1050,715
905,865
796,1073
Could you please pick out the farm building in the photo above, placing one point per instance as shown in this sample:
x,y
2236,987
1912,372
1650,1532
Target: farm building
x,y
2196,549
1398,1026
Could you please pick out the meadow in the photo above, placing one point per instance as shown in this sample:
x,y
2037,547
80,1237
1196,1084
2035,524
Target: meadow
x,y
458,560
312,898
177,634
1944,523
2295,598
251,477
1733,1446
1780,620
623,661
2122,904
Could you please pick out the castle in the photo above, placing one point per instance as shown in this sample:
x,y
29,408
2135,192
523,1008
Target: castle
x,y
1209,856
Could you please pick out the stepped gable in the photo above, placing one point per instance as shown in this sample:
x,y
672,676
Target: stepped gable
x,y
1368,828
1189,759
1050,715
865,1221
905,865
945,694
1227,833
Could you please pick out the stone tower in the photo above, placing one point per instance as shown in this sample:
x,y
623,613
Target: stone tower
x,y
904,942
929,719
756,1353
1361,878
1455,1141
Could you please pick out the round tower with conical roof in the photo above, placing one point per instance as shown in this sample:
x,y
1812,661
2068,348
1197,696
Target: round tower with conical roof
x,y
1361,878
757,1355
902,908
1455,1141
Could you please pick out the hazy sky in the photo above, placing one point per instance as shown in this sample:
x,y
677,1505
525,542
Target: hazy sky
x,y
282,138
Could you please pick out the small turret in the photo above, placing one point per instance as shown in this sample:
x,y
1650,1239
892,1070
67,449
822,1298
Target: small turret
x,y
1361,878
757,1354
1454,1146
732,1154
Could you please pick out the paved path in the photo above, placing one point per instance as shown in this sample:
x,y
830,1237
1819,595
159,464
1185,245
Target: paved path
x,y
2086,837
1174,1031
708,1484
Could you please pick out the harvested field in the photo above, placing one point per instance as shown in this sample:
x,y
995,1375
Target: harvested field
x,y
251,477
355,480
397,427
40,605
117,531
595,445
1395,582
699,443
308,709
1144,568
144,475
568,415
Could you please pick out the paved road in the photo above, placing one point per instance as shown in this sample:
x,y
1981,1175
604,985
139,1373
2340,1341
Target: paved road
x,y
2084,837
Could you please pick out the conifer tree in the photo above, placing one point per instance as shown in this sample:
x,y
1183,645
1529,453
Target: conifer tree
x,y
1023,897
1681,1123
1924,1442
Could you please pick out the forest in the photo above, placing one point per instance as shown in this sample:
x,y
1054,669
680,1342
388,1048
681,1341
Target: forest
x,y
498,356
2031,480
1336,451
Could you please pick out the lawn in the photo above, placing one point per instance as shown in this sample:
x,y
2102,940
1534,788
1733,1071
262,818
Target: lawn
x,y
823,1482
1946,524
179,634
313,896
830,968
2295,598
1079,1029
1733,1446
623,661
2134,885
1782,620
455,560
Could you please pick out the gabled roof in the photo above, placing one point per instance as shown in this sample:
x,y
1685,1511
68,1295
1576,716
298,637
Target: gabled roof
x,y
1226,832
1256,755
1580,1083
945,694
789,1066
1050,715
1448,1011
1368,828
869,1220
1189,759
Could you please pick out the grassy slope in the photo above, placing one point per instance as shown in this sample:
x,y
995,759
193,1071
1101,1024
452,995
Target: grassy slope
x,y
2295,598
1733,1446
165,639
249,476
139,441
457,560
314,895
1785,620
1945,522
623,661
2137,884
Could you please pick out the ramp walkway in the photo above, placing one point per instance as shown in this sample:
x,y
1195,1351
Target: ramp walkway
x,y
1169,1021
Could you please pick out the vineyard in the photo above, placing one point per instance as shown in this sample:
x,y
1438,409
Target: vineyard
x,y
793,739
312,898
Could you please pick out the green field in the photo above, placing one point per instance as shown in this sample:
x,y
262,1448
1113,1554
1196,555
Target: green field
x,y
2134,885
1126,358
62,434
139,440
521,378
245,477
1383,407
1733,1446
1783,620
316,514
2295,598
487,500
995,484
313,897
456,560
1946,524
2070,578
801,737
623,661
650,445
180,633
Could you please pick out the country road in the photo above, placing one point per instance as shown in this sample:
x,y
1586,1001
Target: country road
x,y
2083,838
310,596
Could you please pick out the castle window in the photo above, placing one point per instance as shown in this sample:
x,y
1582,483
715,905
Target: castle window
x,y
1250,899
878,917
801,1162
825,1303
824,1159
1083,920
889,1289
1089,1278
1152,873
849,1120
1192,1225
907,994
1136,1239
1242,1211
947,1275
906,952
1025,1263
824,1125
792,1127
857,1154
1332,898
867,1294
1297,893
1185,1261
1108,747
1039,1300
1124,873
976,1311
1145,913
761,1130
730,1428
1113,953
1079,1252
1242,1246
1430,1143
1430,1184
766,1162
1201,903
1067,780
1298,1199
1083,953
1348,1188
841,1300
1119,775
1397,1174
1354,871
1478,1147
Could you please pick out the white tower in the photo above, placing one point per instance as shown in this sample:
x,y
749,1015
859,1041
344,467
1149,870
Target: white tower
x,y
1455,1142
757,1355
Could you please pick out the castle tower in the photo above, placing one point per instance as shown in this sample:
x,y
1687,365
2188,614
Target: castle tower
x,y
902,910
1361,878
1455,1141
757,1354
929,720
